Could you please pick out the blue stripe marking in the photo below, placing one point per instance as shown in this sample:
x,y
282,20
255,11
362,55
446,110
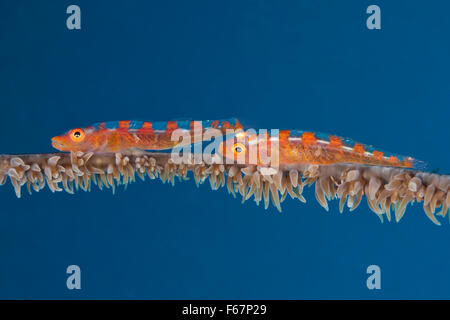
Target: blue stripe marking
x,y
206,124
296,133
183,124
97,125
160,125
136,124
112,125
322,136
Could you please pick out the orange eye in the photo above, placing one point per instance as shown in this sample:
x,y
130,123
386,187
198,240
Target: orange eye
x,y
77,135
238,148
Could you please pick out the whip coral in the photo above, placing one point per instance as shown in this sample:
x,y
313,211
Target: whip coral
x,y
387,190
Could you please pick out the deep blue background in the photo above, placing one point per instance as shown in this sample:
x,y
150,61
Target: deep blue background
x,y
309,65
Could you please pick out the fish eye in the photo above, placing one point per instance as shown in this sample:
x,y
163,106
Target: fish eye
x,y
238,148
77,135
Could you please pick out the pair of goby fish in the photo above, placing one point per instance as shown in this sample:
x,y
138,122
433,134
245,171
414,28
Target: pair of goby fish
x,y
294,146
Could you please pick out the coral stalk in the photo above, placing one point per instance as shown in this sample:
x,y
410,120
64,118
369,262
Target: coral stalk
x,y
387,190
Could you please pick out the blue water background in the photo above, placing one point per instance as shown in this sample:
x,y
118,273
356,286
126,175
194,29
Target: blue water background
x,y
310,65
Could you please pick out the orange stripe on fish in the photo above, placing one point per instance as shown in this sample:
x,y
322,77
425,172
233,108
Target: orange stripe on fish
x,y
358,148
193,124
237,125
284,134
378,154
308,138
335,142
124,125
171,126
146,127
393,160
